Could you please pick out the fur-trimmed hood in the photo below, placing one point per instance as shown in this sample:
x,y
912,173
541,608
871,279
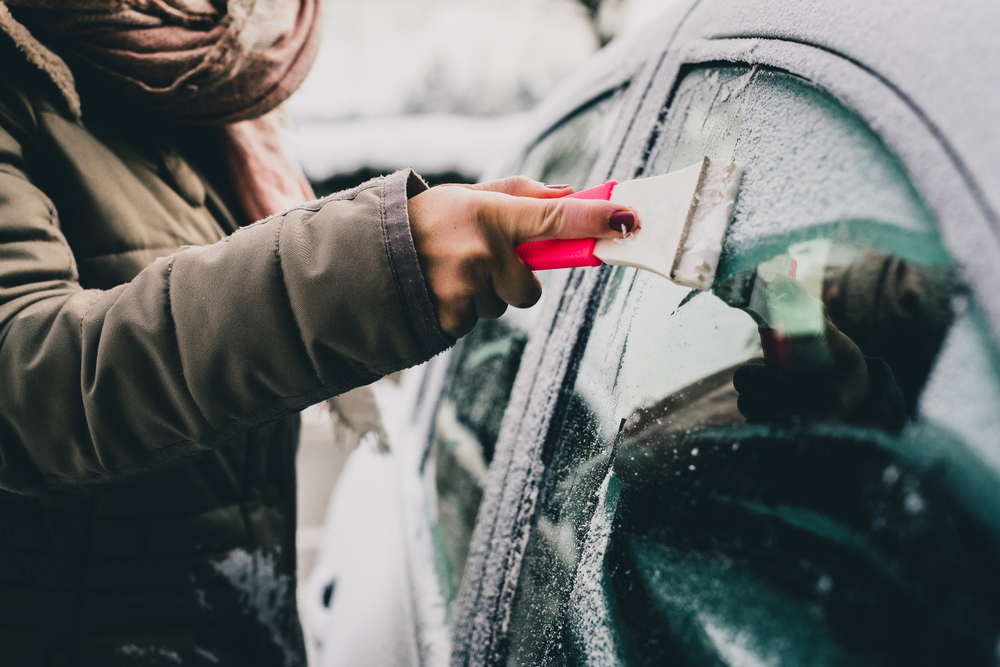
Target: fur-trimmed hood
x,y
42,57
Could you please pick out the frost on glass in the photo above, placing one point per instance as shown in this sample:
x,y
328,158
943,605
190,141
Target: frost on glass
x,y
798,467
466,426
485,363
566,155
814,170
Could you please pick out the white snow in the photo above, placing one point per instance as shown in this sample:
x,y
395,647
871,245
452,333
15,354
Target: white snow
x,y
589,618
734,648
263,591
432,143
437,85
479,57
619,17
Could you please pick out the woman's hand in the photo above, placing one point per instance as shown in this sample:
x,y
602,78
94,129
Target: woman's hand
x,y
466,236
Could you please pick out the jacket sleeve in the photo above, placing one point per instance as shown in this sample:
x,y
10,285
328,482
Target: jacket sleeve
x,y
202,345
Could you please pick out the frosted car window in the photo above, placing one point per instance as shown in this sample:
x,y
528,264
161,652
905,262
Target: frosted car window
x,y
485,362
837,504
567,154
817,170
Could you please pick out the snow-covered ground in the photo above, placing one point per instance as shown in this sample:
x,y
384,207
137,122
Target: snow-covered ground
x,y
439,85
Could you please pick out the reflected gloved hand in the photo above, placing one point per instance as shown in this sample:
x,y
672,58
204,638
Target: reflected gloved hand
x,y
852,389
465,237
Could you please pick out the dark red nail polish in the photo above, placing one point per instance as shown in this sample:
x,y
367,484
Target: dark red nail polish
x,y
558,187
622,221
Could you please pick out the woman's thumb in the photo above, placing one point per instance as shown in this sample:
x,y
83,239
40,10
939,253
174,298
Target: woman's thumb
x,y
527,219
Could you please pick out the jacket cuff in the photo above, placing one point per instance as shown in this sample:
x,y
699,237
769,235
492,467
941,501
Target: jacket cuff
x,y
396,189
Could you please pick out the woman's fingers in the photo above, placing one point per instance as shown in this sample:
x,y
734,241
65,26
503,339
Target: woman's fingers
x,y
524,219
522,186
466,239
527,219
489,305
515,283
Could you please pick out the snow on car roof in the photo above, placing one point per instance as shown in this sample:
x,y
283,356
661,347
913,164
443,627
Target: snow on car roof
x,y
942,57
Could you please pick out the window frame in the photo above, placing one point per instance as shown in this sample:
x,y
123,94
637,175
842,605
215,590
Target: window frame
x,y
505,512
532,422
431,628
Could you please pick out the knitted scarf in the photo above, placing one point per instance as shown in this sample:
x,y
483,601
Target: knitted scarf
x,y
191,61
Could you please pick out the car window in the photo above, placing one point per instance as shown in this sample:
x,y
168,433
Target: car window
x,y
567,154
836,504
484,363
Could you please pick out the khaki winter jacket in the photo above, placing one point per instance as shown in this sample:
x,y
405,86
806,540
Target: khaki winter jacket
x,y
147,497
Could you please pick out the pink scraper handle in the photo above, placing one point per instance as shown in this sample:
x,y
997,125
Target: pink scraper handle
x,y
565,253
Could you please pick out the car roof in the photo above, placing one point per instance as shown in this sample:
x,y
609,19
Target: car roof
x,y
943,58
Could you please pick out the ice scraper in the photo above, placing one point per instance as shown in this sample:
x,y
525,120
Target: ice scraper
x,y
683,216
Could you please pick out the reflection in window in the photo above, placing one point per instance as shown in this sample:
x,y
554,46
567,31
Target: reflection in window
x,y
799,467
485,362
567,154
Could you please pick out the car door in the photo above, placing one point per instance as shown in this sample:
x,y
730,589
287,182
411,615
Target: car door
x,y
835,505
399,527
484,364
384,588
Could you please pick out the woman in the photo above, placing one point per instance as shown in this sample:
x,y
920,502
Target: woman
x,y
155,347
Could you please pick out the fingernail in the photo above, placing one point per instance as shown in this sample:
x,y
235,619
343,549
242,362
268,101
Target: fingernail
x,y
558,187
622,221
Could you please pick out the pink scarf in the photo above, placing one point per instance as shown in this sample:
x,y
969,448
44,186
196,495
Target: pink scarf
x,y
200,62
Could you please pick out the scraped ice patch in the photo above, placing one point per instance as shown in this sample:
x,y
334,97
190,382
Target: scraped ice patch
x,y
813,162
810,161
739,85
